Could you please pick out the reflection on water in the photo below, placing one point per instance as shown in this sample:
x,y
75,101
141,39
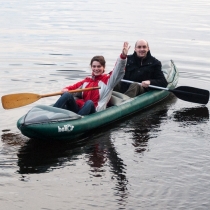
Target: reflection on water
x,y
146,125
192,116
36,156
12,139
147,129
102,153
43,157
99,150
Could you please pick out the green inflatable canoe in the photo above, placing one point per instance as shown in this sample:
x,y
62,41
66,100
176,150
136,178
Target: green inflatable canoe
x,y
50,123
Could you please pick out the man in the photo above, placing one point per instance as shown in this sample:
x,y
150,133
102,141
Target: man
x,y
141,67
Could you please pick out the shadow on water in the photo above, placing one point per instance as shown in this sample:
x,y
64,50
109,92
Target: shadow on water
x,y
147,125
12,139
147,128
104,152
191,116
99,149
40,157
35,156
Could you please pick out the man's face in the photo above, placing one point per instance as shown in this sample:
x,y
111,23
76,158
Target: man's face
x,y
141,48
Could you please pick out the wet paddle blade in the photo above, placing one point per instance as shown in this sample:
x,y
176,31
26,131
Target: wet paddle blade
x,y
191,94
19,99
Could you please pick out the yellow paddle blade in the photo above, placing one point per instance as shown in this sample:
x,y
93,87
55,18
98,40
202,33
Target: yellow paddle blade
x,y
19,99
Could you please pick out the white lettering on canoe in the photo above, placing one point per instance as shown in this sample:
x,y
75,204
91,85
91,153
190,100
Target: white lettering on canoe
x,y
65,128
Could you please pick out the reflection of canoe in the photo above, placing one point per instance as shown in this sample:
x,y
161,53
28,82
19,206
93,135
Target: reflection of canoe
x,y
47,122
193,115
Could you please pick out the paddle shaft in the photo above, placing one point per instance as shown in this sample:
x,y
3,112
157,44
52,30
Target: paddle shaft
x,y
152,86
70,91
186,93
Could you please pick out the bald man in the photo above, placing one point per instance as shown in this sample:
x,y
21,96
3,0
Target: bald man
x,y
142,67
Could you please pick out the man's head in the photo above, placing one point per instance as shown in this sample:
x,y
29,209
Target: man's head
x,y
141,48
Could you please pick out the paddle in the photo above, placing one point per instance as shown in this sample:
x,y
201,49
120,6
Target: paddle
x,y
21,99
186,93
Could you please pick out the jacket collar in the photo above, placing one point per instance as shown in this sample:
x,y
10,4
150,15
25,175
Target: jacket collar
x,y
99,77
141,61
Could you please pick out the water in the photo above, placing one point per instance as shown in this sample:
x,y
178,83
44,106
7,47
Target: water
x,y
156,159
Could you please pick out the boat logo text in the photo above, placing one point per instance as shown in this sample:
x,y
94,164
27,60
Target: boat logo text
x,y
65,128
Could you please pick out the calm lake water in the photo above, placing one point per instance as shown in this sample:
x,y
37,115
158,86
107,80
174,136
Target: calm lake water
x,y
156,159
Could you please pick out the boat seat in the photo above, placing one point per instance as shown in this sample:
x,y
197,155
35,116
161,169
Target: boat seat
x,y
117,98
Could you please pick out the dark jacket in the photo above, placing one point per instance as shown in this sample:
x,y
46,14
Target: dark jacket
x,y
139,70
